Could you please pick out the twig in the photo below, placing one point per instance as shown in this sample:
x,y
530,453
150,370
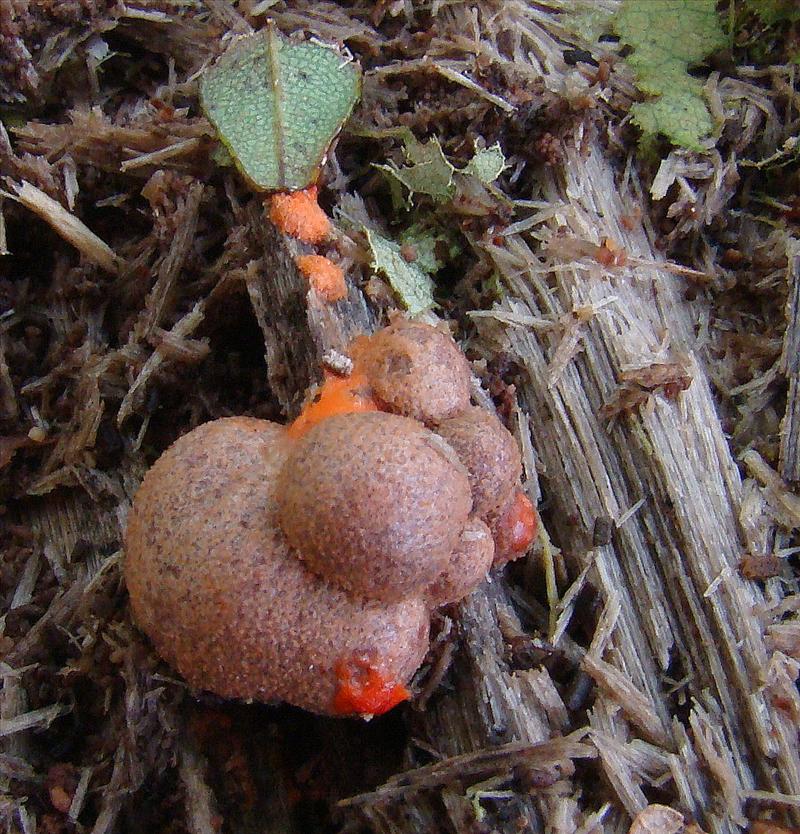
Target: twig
x,y
479,764
67,225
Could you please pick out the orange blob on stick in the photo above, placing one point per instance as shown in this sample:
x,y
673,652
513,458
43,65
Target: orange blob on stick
x,y
516,529
522,522
338,395
324,275
362,690
298,214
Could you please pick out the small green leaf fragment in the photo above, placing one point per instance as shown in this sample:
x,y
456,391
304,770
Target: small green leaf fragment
x,y
587,19
412,285
429,171
432,246
773,12
425,178
682,116
487,164
278,105
399,191
668,37
493,286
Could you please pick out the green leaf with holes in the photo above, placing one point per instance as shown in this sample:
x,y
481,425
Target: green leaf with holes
x,y
428,172
278,104
413,286
668,37
487,164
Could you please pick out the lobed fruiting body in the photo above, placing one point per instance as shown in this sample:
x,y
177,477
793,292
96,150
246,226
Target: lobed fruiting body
x,y
415,370
490,455
302,563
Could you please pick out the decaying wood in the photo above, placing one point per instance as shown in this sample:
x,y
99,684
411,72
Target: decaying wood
x,y
673,563
680,689
491,703
67,225
790,366
298,328
657,819
487,703
543,760
199,799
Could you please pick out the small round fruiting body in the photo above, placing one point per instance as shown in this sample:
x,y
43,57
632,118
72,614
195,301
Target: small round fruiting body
x,y
469,563
415,370
373,501
514,528
490,453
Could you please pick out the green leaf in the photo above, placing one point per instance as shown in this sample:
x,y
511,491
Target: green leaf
x,y
412,285
429,171
586,19
668,37
774,11
487,164
278,105
682,116
433,247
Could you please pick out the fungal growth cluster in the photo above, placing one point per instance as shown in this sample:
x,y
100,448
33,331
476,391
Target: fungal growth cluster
x,y
302,563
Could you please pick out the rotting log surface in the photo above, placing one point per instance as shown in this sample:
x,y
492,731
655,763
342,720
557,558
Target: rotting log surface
x,y
691,703
790,365
684,626
684,612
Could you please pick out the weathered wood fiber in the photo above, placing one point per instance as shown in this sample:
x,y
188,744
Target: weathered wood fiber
x,y
686,617
790,365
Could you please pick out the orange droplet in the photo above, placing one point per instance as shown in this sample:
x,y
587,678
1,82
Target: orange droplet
x,y
338,395
324,276
516,529
363,690
298,214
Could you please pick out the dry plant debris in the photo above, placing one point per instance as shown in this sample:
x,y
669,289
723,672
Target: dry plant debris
x,y
144,292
